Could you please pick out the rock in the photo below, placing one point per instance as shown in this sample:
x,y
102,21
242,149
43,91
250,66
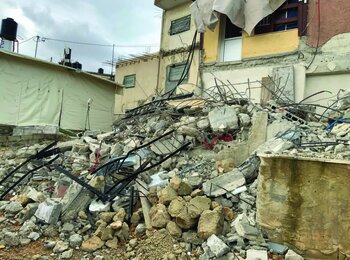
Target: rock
x,y
49,211
107,216
184,219
175,183
184,189
75,240
203,123
60,247
140,229
244,119
13,207
291,255
120,215
152,195
173,229
92,244
113,243
159,216
99,206
253,254
197,205
133,243
189,131
166,195
228,214
11,238
100,229
50,231
123,233
22,199
116,225
192,238
197,192
228,181
34,236
210,222
107,233
223,118
67,254
245,229
135,218
225,165
176,206
217,246
67,227
277,248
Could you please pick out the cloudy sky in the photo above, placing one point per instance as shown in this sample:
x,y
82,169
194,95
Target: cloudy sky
x,y
124,23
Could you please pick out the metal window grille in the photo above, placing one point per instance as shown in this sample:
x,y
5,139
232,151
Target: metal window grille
x,y
175,72
180,25
129,81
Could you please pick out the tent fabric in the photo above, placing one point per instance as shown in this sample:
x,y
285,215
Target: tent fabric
x,y
37,94
245,14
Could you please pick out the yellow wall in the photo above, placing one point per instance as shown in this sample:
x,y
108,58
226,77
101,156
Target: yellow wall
x,y
146,83
211,44
253,46
270,43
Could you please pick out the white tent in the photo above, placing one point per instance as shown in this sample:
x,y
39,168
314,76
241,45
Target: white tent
x,y
40,93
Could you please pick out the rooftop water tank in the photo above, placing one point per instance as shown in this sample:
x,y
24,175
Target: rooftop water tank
x,y
100,71
9,29
77,65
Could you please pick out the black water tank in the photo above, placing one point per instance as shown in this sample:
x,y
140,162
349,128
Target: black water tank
x,y
8,29
77,65
100,71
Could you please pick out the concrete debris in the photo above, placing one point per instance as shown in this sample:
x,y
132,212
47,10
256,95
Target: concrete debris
x,y
198,204
217,246
224,183
49,211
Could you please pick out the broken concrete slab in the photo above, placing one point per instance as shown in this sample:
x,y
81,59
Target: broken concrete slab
x,y
253,254
224,183
217,246
223,118
49,211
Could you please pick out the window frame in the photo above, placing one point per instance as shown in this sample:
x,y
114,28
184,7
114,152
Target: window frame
x,y
134,83
300,19
171,84
179,20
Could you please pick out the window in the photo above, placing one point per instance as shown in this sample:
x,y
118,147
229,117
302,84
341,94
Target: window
x,y
129,81
180,25
174,73
231,48
291,15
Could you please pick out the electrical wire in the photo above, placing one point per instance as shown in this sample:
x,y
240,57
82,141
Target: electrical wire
x,y
97,44
187,67
27,39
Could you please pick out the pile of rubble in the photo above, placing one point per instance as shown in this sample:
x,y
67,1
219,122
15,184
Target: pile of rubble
x,y
198,204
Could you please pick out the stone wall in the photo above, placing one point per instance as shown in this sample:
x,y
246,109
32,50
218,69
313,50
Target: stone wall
x,y
305,203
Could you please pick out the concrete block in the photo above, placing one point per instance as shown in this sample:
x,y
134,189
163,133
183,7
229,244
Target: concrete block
x,y
222,118
49,211
253,254
217,246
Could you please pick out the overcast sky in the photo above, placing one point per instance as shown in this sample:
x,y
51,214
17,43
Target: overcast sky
x,y
120,22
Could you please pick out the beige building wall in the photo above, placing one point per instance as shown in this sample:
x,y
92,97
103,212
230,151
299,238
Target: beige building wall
x,y
180,40
174,48
146,71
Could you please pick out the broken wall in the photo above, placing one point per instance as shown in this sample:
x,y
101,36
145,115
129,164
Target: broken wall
x,y
334,16
305,203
